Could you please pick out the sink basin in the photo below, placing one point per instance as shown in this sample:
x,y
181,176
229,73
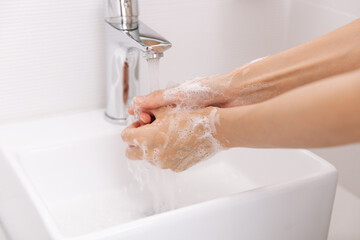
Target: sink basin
x,y
66,177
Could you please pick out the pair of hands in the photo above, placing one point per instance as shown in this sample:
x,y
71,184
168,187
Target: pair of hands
x,y
199,92
159,134
176,127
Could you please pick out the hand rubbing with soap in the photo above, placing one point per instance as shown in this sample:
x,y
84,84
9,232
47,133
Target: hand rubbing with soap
x,y
177,138
304,97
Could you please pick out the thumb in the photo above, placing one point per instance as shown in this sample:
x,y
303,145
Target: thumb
x,y
151,101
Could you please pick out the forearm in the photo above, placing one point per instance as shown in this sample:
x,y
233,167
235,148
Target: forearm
x,y
334,53
321,114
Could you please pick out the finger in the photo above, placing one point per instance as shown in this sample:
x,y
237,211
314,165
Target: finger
x,y
178,166
130,111
159,113
145,117
154,100
159,164
134,153
186,162
183,167
128,134
155,163
133,125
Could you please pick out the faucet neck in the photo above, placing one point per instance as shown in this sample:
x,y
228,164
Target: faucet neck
x,y
126,37
123,13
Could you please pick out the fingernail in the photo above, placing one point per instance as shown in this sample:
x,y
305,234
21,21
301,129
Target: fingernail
x,y
139,100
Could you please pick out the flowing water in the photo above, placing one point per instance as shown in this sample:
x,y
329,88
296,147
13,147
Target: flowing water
x,y
159,182
116,196
153,74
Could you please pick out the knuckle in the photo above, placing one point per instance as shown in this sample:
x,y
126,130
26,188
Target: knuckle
x,y
164,165
176,169
158,93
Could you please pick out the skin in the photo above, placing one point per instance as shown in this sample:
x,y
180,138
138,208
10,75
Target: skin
x,y
176,150
307,96
323,114
334,53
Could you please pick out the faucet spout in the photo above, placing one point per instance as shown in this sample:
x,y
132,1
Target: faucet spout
x,y
126,37
143,38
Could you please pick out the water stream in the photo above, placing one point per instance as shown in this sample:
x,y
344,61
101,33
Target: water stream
x,y
159,182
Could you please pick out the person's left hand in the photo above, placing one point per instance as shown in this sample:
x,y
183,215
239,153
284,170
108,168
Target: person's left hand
x,y
177,139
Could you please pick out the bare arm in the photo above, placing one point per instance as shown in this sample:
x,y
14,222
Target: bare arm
x,y
325,113
334,53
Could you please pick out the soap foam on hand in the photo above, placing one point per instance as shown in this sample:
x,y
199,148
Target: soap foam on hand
x,y
188,129
162,183
192,93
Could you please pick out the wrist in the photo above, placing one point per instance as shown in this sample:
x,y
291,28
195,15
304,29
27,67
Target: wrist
x,y
257,81
212,116
225,126
235,126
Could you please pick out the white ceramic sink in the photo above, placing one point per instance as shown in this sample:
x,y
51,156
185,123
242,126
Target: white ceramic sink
x,y
66,177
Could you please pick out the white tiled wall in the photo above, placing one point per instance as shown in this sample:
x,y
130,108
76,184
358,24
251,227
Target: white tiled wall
x,y
51,52
50,55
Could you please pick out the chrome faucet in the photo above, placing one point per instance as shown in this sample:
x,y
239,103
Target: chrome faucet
x,y
125,38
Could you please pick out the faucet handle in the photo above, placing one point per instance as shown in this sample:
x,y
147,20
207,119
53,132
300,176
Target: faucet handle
x,y
124,13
